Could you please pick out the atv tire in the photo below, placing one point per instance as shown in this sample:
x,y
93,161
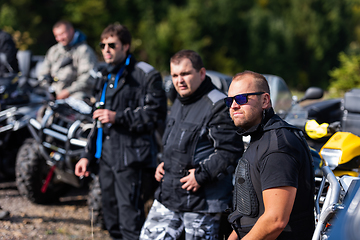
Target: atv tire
x,y
95,204
31,171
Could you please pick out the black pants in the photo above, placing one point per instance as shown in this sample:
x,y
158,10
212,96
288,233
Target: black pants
x,y
123,206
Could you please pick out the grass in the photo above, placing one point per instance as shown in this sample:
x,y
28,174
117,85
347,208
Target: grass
x,y
49,232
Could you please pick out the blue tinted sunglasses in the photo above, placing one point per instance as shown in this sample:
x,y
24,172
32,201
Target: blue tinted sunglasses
x,y
240,99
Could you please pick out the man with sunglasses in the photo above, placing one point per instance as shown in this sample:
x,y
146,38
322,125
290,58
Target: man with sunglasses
x,y
200,153
274,179
131,106
67,63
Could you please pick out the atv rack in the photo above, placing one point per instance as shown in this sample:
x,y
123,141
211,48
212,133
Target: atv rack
x,y
331,204
62,137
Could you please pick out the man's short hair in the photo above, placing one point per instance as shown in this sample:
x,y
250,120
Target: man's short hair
x,y
116,29
261,83
67,24
193,56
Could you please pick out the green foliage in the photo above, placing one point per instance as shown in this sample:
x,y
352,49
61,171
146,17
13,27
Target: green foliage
x,y
347,76
21,39
298,40
79,12
7,15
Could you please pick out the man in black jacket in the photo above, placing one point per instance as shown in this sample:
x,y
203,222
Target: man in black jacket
x,y
132,105
7,46
274,179
201,150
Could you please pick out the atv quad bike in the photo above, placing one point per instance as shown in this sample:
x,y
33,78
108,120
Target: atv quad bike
x,y
19,101
45,163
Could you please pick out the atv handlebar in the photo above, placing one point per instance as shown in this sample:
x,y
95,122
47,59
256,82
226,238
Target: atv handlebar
x,y
330,205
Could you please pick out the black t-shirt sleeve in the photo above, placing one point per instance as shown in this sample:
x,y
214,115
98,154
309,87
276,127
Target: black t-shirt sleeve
x,y
279,170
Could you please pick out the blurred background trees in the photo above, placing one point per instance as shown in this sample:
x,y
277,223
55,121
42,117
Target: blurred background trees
x,y
307,42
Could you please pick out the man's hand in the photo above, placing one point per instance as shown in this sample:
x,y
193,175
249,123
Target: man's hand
x,y
159,173
190,183
104,115
233,236
63,94
80,168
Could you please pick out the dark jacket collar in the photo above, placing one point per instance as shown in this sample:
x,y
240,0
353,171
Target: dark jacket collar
x,y
205,87
115,68
79,37
269,121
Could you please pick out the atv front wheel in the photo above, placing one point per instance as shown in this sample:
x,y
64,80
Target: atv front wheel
x,y
31,171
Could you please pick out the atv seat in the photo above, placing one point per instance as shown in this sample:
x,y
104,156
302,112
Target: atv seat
x,y
36,62
350,121
29,64
24,60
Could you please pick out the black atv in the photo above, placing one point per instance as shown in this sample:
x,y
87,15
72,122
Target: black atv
x,y
19,101
46,160
45,163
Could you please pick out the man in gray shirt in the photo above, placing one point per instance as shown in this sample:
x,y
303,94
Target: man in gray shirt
x,y
68,63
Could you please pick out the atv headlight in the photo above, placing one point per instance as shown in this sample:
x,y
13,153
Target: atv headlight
x,y
331,156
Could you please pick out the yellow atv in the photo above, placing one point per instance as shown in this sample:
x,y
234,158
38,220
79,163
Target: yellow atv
x,y
339,172
341,152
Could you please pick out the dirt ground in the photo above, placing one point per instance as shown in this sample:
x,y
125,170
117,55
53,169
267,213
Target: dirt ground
x,y
67,219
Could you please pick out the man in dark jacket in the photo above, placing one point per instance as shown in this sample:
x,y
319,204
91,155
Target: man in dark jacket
x,y
274,179
7,46
201,150
132,105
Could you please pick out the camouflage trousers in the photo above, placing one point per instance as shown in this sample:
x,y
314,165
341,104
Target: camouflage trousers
x,y
162,223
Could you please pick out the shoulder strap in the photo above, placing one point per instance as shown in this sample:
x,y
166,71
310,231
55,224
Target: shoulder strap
x,y
262,149
300,135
